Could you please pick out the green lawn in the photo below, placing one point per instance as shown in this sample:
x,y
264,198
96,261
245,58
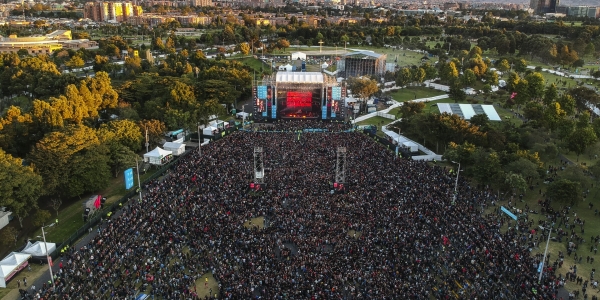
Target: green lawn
x,y
411,93
255,64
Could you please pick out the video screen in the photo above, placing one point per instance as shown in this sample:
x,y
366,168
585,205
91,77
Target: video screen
x,y
299,99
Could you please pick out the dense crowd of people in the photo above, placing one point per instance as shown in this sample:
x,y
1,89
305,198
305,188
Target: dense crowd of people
x,y
396,231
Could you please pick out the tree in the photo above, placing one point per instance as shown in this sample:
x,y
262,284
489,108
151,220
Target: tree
x,y
53,154
40,217
283,43
56,203
364,88
419,75
535,85
20,186
520,65
513,81
486,166
515,183
404,77
127,133
153,129
449,72
491,77
9,235
503,66
567,103
456,93
524,167
551,94
468,77
75,62
244,48
411,108
590,49
564,191
580,139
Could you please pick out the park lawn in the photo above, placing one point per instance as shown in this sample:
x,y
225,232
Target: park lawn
x,y
379,121
584,159
256,64
202,290
258,222
416,92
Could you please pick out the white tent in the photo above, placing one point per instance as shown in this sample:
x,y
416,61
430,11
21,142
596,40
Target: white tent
x,y
158,156
175,148
411,146
287,67
324,66
298,55
38,248
11,265
209,131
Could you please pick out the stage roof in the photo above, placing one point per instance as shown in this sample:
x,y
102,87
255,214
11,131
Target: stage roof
x,y
299,77
368,53
467,111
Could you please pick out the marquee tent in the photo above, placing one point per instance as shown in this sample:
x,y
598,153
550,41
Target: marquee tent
x,y
38,249
175,148
158,156
11,265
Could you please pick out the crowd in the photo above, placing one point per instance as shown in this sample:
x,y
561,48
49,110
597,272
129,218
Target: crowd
x,y
395,231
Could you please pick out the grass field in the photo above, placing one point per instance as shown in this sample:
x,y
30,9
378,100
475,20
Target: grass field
x,y
411,93
256,64
258,222
11,292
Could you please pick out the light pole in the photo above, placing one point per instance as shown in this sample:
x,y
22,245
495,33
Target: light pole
x,y
456,183
48,258
137,168
199,141
545,253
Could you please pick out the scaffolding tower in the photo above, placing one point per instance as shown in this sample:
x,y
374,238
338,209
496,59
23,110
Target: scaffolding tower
x,y
259,167
340,165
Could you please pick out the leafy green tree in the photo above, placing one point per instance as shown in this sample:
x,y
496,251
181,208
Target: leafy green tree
x,y
9,235
456,93
580,139
244,48
364,88
513,81
449,72
564,191
468,77
89,172
551,94
404,77
514,183
503,66
20,186
491,77
153,129
520,65
419,75
536,85
486,166
41,217
524,167
411,108
567,103
53,154
75,62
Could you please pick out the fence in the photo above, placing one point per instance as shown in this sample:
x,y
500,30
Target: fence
x,y
384,115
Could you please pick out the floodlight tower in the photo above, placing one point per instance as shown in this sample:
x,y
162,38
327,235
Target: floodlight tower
x,y
340,165
259,167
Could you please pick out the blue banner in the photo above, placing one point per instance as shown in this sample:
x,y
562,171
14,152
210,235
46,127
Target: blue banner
x,y
264,113
324,115
261,92
129,178
508,212
336,93
274,111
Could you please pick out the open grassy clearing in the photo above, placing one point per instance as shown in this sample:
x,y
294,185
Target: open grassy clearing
x,y
416,92
258,222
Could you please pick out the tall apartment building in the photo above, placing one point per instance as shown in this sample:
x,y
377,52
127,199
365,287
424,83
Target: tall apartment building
x,y
583,11
543,6
111,11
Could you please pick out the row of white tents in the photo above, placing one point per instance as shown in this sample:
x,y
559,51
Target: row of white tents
x,y
17,261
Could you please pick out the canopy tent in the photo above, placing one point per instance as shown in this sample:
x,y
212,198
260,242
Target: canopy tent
x,y
175,148
158,156
210,131
39,249
11,265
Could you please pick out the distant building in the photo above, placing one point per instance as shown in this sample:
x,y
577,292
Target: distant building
x,y
583,11
543,6
44,44
111,11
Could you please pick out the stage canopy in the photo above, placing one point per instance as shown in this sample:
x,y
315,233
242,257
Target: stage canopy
x,y
299,77
467,111
175,148
157,156
11,265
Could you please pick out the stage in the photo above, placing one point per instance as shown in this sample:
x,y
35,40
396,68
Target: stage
x,y
298,95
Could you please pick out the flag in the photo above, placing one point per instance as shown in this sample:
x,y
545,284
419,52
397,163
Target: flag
x,y
98,202
513,95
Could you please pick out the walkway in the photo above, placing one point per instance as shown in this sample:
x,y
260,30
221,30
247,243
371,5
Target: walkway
x,y
397,104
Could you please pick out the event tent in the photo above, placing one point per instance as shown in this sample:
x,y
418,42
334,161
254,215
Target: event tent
x,y
11,265
158,156
175,148
38,249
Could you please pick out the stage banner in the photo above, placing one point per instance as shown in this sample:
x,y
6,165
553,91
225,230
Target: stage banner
x,y
336,93
274,111
324,114
128,178
261,91
264,113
